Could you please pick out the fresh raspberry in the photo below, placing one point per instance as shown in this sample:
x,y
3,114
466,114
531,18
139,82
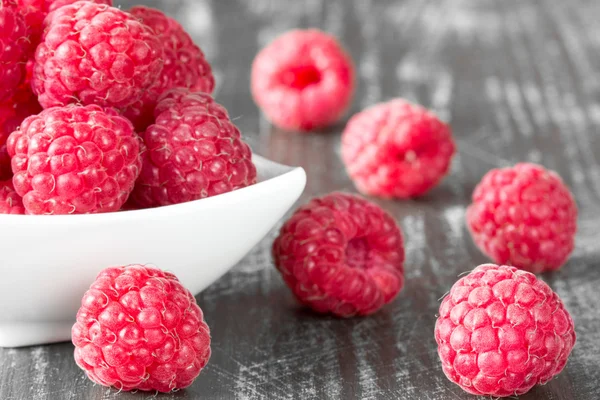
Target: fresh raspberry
x,y
185,65
10,201
303,80
396,150
501,331
194,151
74,160
95,54
35,11
139,328
12,112
524,216
15,49
341,254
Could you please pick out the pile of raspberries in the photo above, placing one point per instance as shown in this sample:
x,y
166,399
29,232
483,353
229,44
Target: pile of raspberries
x,y
104,110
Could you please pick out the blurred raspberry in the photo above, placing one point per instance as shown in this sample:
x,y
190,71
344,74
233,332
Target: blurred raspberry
x,y
74,160
524,216
501,331
341,254
10,201
185,65
193,151
303,80
396,149
12,112
95,54
15,49
139,328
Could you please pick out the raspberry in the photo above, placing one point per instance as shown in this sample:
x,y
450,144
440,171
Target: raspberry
x,y
341,254
524,216
303,80
95,54
194,151
35,11
139,328
10,201
12,112
74,160
501,331
185,65
15,49
396,149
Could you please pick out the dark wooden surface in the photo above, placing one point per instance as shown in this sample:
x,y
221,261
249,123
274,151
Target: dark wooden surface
x,y
518,80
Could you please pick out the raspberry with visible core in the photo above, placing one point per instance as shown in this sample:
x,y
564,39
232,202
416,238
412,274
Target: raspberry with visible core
x,y
95,54
12,112
303,80
524,216
194,151
10,201
397,150
15,49
341,254
185,65
74,160
139,328
501,331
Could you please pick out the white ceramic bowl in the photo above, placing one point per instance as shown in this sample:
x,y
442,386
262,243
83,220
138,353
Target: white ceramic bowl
x,y
48,262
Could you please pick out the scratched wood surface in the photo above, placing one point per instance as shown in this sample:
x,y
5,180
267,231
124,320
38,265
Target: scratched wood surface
x,y
518,80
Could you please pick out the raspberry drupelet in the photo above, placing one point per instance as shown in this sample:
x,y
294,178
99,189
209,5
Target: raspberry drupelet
x,y
185,65
15,49
74,160
303,80
193,151
341,254
10,201
139,328
95,54
501,331
397,149
524,216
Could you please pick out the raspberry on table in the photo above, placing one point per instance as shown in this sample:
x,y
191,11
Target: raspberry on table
x,y
95,54
74,160
397,149
15,49
139,328
185,65
12,112
341,254
10,201
524,216
502,331
193,151
303,80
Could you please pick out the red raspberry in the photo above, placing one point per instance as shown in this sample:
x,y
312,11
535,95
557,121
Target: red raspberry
x,y
194,151
524,216
10,201
139,328
74,160
12,112
396,149
95,54
35,11
185,65
15,49
303,80
341,254
501,331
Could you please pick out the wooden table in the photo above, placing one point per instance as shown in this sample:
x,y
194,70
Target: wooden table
x,y
518,81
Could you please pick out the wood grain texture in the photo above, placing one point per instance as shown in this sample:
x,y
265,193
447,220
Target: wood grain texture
x,y
518,80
